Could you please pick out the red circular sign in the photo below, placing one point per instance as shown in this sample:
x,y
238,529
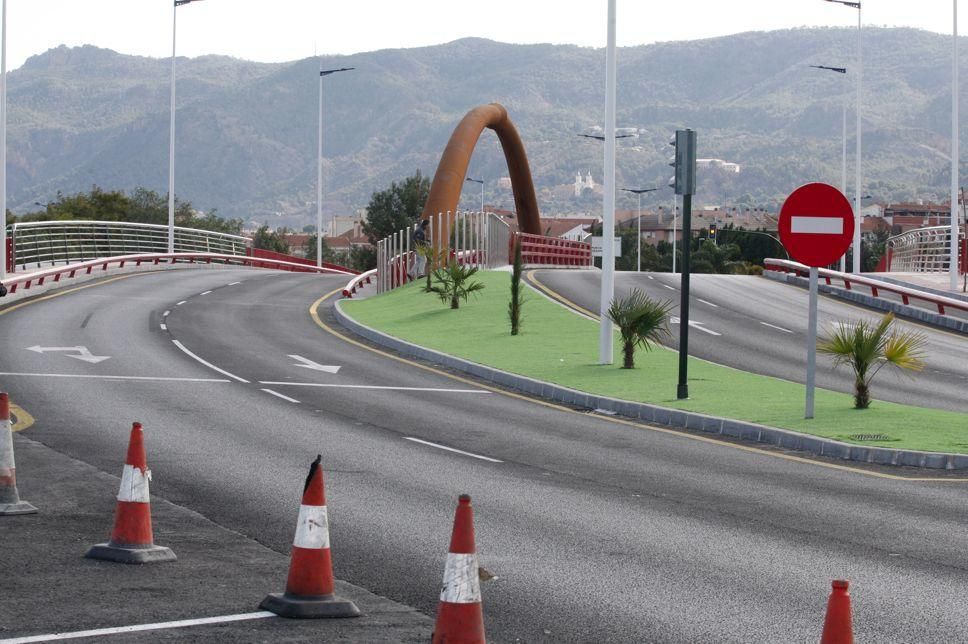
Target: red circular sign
x,y
816,224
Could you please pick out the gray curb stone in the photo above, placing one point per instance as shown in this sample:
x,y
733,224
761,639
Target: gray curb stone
x,y
664,416
902,310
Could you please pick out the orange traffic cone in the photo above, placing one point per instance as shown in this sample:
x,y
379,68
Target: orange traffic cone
x,y
460,617
10,502
132,540
837,628
310,587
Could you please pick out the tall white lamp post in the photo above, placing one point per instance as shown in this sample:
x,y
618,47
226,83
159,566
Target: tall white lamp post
x,y
608,214
319,165
171,130
857,205
953,261
3,144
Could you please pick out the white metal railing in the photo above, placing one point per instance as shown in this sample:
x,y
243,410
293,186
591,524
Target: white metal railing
x,y
476,238
924,250
44,243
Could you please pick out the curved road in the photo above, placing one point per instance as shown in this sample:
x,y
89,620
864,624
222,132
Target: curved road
x,y
759,325
598,529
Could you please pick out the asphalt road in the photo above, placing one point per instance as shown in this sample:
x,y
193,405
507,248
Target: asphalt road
x,y
597,530
759,325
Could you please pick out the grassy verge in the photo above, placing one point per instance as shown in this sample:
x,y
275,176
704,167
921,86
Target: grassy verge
x,y
560,347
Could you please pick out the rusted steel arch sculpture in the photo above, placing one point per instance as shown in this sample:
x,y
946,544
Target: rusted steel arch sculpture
x,y
452,169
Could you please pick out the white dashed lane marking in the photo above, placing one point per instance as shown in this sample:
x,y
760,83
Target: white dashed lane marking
x,y
278,395
451,449
778,328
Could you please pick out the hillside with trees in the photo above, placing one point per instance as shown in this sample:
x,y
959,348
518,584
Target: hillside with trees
x,y
246,132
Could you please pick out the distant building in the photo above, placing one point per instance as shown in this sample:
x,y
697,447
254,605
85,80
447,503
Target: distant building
x,y
504,183
725,166
339,225
583,184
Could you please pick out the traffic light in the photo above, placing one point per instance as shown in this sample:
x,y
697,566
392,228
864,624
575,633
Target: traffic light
x,y
684,180
712,231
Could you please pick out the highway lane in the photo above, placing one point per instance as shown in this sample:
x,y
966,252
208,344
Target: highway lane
x,y
597,530
760,326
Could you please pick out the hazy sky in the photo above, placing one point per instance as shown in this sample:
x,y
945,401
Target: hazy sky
x,y
283,30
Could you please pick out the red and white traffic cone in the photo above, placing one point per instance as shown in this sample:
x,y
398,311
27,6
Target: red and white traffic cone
x,y
460,616
132,540
10,502
837,627
310,588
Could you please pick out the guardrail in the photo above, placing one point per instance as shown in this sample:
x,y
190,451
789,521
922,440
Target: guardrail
x,y
925,250
876,286
54,275
537,250
43,243
358,281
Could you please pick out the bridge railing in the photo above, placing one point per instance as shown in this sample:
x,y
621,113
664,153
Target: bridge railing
x,y
925,250
537,250
46,243
850,281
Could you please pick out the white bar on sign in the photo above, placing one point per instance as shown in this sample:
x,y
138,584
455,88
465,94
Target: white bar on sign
x,y
817,225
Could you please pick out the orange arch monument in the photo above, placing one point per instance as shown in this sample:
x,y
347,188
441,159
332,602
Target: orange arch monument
x,y
451,171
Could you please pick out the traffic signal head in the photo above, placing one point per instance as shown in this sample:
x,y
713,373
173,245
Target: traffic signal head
x,y
712,231
684,180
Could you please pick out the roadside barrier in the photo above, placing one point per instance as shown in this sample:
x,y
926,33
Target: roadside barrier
x,y
310,587
837,628
10,502
460,616
358,282
132,540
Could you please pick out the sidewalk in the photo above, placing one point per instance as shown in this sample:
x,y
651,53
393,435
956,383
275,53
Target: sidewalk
x,y
49,587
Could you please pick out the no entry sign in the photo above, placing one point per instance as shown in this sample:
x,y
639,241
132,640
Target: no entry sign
x,y
816,224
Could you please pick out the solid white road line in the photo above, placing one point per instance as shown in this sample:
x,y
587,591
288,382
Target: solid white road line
x,y
278,395
205,293
208,364
234,283
671,288
451,449
180,303
429,389
262,614
778,328
164,327
78,375
715,306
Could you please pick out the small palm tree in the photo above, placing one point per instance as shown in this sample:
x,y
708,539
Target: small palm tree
x,y
453,283
517,298
867,347
641,320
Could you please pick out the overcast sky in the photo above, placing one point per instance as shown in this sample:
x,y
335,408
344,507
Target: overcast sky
x,y
283,30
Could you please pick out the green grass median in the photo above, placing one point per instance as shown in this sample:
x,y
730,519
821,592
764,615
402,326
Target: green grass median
x,y
558,346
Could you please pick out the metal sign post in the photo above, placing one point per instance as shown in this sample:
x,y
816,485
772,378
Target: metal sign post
x,y
816,228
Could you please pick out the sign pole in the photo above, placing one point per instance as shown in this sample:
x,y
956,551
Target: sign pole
x,y
811,342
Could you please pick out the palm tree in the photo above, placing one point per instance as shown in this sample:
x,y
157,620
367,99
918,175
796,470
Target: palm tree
x,y
453,283
867,347
641,320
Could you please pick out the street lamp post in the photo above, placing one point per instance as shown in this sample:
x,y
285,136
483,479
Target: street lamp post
x,y
319,165
171,130
608,203
860,70
480,181
638,244
843,151
953,261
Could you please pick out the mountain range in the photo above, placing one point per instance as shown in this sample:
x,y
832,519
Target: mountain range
x,y
246,131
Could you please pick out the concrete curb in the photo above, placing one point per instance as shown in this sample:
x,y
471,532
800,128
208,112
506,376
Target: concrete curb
x,y
901,310
665,416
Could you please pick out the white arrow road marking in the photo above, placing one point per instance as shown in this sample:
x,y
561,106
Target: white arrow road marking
x,y
695,325
82,353
315,366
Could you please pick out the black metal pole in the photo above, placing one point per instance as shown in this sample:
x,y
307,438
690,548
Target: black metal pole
x,y
682,390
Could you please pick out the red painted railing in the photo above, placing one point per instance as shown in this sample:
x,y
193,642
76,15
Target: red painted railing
x,y
358,282
282,257
25,281
849,281
538,250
